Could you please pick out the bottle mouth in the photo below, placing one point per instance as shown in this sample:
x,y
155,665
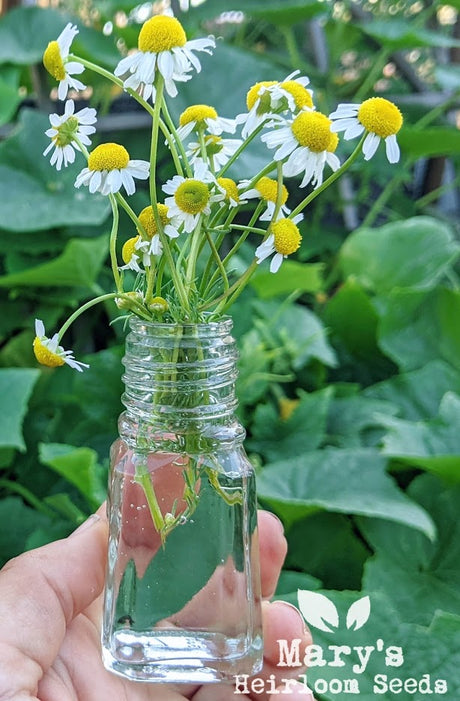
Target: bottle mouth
x,y
187,371
204,329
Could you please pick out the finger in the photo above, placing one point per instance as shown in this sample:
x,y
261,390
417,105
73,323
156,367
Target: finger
x,y
285,640
273,549
296,690
40,593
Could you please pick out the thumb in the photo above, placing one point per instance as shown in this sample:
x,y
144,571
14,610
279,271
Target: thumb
x,y
41,591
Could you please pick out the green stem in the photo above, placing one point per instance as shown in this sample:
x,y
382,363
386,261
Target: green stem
x,y
28,496
241,148
85,307
145,480
193,255
291,45
351,159
179,144
113,244
377,66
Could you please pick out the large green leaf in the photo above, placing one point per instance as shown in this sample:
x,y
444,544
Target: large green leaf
x,y
286,12
351,315
26,31
398,33
292,276
9,92
419,327
339,555
352,420
419,575
278,439
299,331
79,466
343,481
79,264
19,522
16,385
417,394
433,445
34,195
431,141
411,253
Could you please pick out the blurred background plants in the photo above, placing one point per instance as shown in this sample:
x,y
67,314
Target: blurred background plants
x,y
350,355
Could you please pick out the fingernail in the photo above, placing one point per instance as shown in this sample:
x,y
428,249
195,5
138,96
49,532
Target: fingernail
x,y
306,629
91,521
277,519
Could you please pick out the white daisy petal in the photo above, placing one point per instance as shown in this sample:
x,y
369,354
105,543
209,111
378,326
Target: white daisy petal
x,y
370,145
392,149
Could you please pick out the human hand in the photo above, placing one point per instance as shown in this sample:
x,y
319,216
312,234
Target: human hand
x,y
50,610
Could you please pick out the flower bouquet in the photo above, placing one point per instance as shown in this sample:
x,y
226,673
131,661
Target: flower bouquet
x,y
182,597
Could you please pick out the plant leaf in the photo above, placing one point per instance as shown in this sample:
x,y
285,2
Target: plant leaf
x,y
413,253
16,385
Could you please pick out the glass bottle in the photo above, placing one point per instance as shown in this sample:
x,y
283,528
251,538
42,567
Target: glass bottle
x,y
182,596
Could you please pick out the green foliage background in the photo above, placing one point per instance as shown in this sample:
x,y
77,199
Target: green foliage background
x,y
359,338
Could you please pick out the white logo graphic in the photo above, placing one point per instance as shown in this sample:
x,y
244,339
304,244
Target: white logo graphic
x,y
320,612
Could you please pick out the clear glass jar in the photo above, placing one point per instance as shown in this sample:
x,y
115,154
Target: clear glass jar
x,y
182,597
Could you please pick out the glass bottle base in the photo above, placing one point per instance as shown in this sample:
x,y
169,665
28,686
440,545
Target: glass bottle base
x,y
181,657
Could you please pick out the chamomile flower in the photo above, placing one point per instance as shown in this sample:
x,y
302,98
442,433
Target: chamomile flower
x,y
110,168
291,93
190,197
229,194
267,99
162,48
284,238
130,256
203,118
55,60
308,144
380,118
169,225
218,150
266,189
65,129
48,351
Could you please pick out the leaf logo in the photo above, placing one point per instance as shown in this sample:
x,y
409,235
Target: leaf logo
x,y
359,613
320,612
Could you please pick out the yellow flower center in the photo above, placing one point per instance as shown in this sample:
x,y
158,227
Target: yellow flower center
x,y
128,249
197,113
333,142
253,93
161,33
192,196
268,189
45,356
380,117
52,60
108,157
302,97
66,132
230,187
147,219
287,236
312,129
